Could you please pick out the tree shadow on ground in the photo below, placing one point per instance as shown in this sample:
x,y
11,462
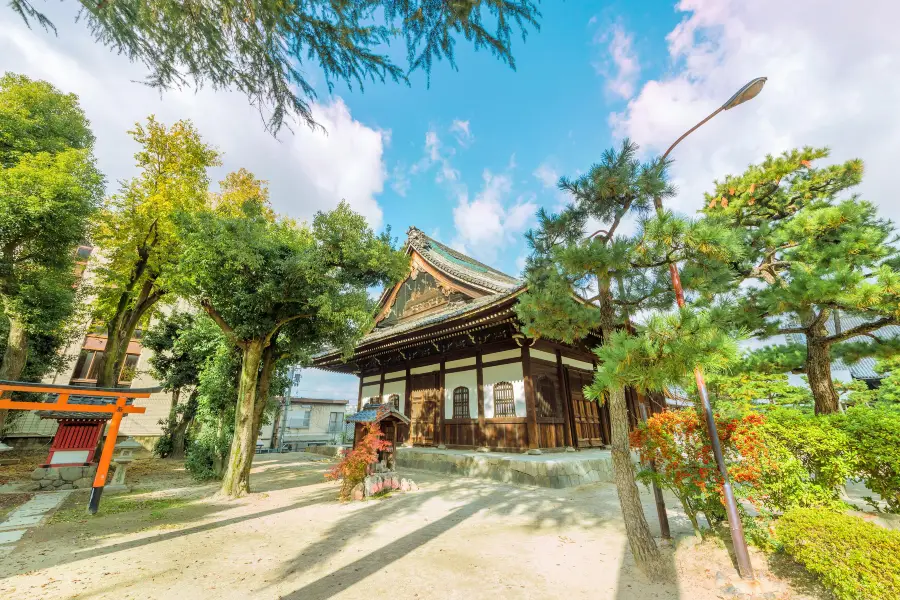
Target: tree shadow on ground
x,y
544,509
201,506
787,569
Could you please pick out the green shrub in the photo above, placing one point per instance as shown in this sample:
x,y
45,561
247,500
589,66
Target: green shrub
x,y
205,457
874,436
810,459
856,559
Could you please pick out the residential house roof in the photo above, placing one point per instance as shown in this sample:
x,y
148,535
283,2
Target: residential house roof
x,y
331,401
865,367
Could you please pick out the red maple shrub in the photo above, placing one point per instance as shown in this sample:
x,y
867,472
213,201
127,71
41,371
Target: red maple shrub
x,y
678,443
356,464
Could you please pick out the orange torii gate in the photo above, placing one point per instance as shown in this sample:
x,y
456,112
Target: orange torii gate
x,y
118,408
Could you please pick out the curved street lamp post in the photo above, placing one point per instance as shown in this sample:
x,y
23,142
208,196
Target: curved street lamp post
x,y
748,92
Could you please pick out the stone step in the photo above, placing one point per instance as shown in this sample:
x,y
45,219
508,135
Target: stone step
x,y
552,470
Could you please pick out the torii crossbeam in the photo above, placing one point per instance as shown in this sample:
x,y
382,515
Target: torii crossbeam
x,y
118,408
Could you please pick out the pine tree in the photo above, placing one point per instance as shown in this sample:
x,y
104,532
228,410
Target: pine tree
x,y
580,284
267,49
810,252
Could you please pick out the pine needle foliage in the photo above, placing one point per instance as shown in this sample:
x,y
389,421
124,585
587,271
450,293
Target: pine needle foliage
x,y
810,249
266,48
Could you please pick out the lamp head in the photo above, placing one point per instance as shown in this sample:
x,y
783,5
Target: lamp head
x,y
748,92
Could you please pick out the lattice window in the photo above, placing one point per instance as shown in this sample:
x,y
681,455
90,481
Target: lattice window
x,y
461,403
504,400
546,400
394,400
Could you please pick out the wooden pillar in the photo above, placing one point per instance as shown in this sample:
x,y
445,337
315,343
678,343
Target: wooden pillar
x,y
381,387
359,402
440,416
407,410
109,446
530,404
482,438
566,399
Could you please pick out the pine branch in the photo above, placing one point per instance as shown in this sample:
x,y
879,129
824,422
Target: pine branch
x,y
862,329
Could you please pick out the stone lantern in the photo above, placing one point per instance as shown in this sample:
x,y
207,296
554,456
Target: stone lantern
x,y
124,457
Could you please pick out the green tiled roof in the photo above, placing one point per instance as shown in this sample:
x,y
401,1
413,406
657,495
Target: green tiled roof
x,y
456,264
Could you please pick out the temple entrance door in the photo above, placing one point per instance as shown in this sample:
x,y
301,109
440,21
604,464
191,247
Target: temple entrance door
x,y
587,415
423,398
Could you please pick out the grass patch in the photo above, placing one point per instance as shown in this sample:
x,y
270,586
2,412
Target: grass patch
x,y
154,508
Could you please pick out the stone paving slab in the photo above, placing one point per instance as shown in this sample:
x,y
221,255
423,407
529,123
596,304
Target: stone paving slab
x,y
552,470
28,515
11,536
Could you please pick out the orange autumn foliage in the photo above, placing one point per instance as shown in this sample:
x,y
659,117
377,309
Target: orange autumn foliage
x,y
355,465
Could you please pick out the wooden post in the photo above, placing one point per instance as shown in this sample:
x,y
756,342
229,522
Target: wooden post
x,y
109,446
530,404
480,384
381,387
566,399
441,401
359,403
407,410
657,493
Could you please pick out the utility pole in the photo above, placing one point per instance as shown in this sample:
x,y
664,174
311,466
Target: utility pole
x,y
285,406
748,92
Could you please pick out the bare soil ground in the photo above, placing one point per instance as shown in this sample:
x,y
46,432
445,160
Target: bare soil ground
x,y
454,538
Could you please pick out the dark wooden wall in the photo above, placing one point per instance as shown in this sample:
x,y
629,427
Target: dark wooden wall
x,y
555,419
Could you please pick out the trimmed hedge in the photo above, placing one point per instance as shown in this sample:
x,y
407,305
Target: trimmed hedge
x,y
856,559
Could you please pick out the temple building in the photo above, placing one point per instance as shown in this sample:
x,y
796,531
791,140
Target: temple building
x,y
447,352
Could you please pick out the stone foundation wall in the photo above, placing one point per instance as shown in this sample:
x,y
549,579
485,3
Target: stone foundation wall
x,y
62,478
544,472
327,450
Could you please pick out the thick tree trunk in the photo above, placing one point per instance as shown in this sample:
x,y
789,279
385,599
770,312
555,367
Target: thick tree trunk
x,y
643,546
120,329
264,384
14,357
818,372
236,481
112,360
179,432
646,553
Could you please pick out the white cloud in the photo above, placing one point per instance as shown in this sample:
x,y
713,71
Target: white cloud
x,y
307,171
460,129
400,179
547,175
621,68
832,82
489,222
436,154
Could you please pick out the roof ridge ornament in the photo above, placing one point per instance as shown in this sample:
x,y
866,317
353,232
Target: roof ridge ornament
x,y
416,237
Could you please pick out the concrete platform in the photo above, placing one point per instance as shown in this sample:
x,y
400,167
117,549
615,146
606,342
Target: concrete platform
x,y
551,470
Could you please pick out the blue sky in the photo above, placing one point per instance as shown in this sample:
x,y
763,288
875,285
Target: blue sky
x,y
549,115
470,158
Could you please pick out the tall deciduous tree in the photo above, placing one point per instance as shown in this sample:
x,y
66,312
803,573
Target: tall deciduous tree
x,y
137,235
809,253
49,190
275,287
260,46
